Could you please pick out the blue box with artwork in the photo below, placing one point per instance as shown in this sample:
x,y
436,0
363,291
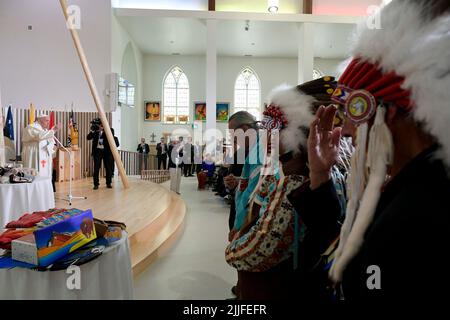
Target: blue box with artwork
x,y
46,245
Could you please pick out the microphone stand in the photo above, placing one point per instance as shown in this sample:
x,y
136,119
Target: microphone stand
x,y
70,197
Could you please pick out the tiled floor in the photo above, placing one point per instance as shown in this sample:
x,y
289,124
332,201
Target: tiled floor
x,y
194,268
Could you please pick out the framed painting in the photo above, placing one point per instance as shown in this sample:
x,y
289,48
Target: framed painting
x,y
152,111
199,111
222,111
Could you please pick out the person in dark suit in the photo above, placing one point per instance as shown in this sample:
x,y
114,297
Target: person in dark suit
x,y
161,154
143,149
188,159
101,151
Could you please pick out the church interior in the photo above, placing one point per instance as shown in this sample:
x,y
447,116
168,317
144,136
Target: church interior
x,y
115,137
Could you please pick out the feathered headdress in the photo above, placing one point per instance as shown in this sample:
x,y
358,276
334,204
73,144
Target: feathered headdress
x,y
406,64
291,109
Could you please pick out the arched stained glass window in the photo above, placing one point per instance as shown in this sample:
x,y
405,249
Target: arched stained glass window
x,y
176,97
247,93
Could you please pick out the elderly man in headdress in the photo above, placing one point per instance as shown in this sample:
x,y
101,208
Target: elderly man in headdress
x,y
398,216
267,231
39,146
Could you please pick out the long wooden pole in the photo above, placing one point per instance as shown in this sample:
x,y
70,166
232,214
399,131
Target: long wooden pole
x,y
94,92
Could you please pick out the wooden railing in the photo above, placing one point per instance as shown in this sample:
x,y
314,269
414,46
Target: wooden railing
x,y
135,162
156,176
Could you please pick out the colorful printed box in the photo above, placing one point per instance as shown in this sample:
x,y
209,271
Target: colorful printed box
x,y
49,244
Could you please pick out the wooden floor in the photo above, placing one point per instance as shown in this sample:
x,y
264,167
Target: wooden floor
x,y
152,213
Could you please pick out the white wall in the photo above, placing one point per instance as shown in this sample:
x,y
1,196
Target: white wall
x,y
154,70
127,60
271,72
41,66
329,67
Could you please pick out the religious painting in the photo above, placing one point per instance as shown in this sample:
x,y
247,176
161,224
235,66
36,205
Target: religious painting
x,y
222,111
200,111
152,111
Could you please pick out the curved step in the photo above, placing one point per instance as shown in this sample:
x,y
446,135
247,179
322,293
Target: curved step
x,y
147,244
153,214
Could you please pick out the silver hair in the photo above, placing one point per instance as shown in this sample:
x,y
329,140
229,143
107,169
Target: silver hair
x,y
244,118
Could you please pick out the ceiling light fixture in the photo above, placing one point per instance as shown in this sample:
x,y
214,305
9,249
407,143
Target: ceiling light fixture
x,y
272,6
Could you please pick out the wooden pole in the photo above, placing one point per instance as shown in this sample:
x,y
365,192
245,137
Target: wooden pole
x,y
212,5
307,6
95,95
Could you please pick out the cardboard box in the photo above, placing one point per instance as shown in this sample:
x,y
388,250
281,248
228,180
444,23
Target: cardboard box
x,y
47,245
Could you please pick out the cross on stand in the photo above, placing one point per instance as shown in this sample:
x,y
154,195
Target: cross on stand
x,y
153,136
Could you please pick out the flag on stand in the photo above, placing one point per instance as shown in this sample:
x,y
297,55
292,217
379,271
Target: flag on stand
x,y
74,131
32,114
8,130
71,124
52,119
51,125
2,139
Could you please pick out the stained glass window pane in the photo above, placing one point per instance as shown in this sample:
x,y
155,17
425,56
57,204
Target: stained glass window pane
x,y
176,96
247,93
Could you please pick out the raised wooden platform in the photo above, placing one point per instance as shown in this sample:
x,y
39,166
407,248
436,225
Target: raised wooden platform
x,y
153,214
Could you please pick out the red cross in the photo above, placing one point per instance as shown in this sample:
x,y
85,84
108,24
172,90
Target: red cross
x,y
43,162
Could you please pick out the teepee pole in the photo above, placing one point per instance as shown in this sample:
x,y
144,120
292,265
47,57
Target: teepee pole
x,y
95,95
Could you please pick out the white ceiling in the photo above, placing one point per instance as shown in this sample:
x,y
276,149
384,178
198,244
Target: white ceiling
x,y
285,6
186,36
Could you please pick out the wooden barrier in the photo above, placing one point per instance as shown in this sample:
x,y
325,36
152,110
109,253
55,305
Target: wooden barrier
x,y
156,176
135,162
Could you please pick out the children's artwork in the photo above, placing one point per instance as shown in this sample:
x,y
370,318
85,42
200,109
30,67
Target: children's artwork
x,y
222,111
152,111
200,111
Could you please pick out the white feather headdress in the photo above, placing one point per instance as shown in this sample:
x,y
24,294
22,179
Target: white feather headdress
x,y
298,110
411,49
418,49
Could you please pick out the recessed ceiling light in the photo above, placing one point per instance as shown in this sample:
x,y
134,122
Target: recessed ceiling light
x,y
253,43
175,54
248,55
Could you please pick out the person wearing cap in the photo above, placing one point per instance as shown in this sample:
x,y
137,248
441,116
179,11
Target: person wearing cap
x,y
266,236
39,146
396,94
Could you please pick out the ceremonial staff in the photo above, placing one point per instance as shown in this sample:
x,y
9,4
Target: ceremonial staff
x,y
95,95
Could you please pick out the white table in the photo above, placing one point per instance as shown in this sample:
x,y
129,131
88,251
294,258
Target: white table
x,y
18,199
109,277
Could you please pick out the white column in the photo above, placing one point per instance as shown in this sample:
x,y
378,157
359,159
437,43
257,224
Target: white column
x,y
211,84
305,52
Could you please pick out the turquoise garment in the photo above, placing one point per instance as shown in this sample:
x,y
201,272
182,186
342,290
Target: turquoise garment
x,y
339,181
250,174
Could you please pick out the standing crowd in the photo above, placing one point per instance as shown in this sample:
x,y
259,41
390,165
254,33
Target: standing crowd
x,y
353,205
